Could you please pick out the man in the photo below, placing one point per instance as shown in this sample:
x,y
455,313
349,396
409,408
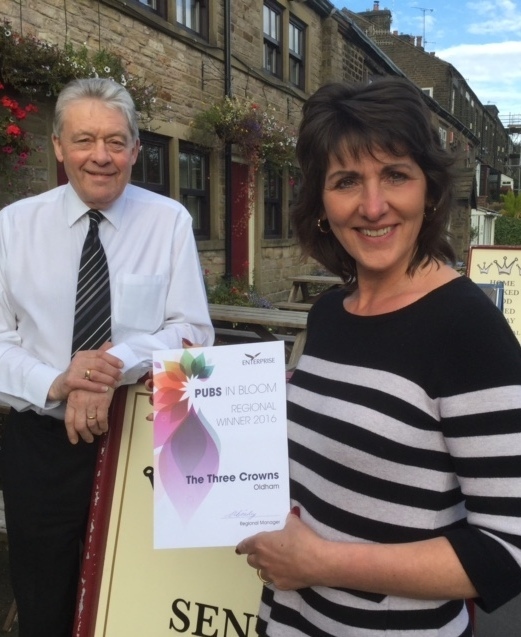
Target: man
x,y
60,398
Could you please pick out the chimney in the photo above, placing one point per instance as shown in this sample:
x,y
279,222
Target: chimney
x,y
418,41
376,5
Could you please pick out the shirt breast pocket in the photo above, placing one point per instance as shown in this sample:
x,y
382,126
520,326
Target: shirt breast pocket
x,y
139,301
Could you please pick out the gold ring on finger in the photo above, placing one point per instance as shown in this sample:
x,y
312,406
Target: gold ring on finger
x,y
87,374
266,582
91,417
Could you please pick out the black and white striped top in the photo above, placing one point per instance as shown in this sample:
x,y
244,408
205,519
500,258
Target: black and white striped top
x,y
403,427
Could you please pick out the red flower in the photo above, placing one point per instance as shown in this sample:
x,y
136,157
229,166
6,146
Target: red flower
x,y
13,144
8,102
13,130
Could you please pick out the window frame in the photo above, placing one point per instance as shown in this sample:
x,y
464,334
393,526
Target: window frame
x,y
152,139
201,8
443,136
161,8
276,231
294,56
271,44
202,232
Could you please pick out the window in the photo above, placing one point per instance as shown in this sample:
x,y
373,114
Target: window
x,y
194,187
193,15
272,18
151,168
157,6
428,91
296,52
443,137
272,204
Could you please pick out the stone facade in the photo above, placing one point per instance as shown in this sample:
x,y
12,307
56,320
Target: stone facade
x,y
190,71
447,87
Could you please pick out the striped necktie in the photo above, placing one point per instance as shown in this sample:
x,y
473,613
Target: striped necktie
x,y
92,315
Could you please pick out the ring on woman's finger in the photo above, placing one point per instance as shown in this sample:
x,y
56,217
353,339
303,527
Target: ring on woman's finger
x,y
266,582
87,374
91,417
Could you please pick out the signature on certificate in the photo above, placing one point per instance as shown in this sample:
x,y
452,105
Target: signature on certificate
x,y
240,514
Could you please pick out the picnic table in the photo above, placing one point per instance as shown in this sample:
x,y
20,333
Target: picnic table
x,y
300,285
259,320
299,299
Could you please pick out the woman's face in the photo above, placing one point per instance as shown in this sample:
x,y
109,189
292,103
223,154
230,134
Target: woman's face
x,y
375,208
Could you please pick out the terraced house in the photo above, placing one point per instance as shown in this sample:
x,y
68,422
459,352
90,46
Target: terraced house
x,y
225,82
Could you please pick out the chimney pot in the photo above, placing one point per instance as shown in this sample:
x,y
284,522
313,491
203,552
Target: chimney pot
x,y
376,5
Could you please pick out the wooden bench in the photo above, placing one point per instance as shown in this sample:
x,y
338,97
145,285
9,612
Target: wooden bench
x,y
298,306
300,285
265,323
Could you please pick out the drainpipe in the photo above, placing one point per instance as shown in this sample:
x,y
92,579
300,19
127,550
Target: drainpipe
x,y
227,147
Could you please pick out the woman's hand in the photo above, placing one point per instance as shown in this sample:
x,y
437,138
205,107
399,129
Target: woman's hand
x,y
288,558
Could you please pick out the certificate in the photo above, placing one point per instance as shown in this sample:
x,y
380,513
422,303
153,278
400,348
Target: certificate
x,y
220,444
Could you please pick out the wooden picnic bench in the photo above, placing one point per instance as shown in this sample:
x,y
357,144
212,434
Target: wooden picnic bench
x,y
299,291
296,306
259,320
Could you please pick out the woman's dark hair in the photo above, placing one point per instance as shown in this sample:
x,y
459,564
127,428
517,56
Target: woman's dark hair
x,y
389,115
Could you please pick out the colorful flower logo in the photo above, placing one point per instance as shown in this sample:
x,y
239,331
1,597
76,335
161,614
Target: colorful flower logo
x,y
187,447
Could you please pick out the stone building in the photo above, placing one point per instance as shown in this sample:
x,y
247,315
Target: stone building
x,y
269,54
445,84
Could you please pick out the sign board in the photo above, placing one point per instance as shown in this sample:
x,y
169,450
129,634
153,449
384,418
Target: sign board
x,y
501,266
127,587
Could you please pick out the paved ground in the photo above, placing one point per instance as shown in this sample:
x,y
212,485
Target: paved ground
x,y
505,622
6,594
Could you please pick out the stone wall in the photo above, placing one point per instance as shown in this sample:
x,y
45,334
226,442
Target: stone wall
x,y
190,75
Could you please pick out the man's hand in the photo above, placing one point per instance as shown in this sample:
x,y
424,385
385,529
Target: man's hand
x,y
92,370
86,414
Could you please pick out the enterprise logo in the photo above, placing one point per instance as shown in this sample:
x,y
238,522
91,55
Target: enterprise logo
x,y
253,359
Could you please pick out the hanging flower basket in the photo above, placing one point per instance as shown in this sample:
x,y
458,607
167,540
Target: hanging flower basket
x,y
38,69
258,135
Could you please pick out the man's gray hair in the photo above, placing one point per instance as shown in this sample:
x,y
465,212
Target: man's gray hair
x,y
107,91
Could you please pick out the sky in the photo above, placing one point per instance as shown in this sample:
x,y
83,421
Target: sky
x,y
481,39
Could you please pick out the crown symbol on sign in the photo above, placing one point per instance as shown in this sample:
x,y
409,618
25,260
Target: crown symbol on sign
x,y
505,269
484,268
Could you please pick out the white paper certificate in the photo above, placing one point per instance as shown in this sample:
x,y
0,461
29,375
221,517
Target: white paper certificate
x,y
220,444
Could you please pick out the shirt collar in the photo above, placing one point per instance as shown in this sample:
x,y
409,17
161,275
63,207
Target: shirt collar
x,y
75,208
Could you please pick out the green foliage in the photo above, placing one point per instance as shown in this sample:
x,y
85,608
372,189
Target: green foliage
x,y
260,137
507,231
511,204
35,68
235,292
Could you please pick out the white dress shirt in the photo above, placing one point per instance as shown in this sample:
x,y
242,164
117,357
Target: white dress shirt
x,y
157,290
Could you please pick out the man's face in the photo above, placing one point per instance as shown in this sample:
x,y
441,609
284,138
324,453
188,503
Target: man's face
x,y
96,148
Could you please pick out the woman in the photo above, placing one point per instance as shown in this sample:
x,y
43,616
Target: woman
x,y
405,409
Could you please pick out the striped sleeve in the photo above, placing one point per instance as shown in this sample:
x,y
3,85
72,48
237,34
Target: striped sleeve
x,y
482,429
